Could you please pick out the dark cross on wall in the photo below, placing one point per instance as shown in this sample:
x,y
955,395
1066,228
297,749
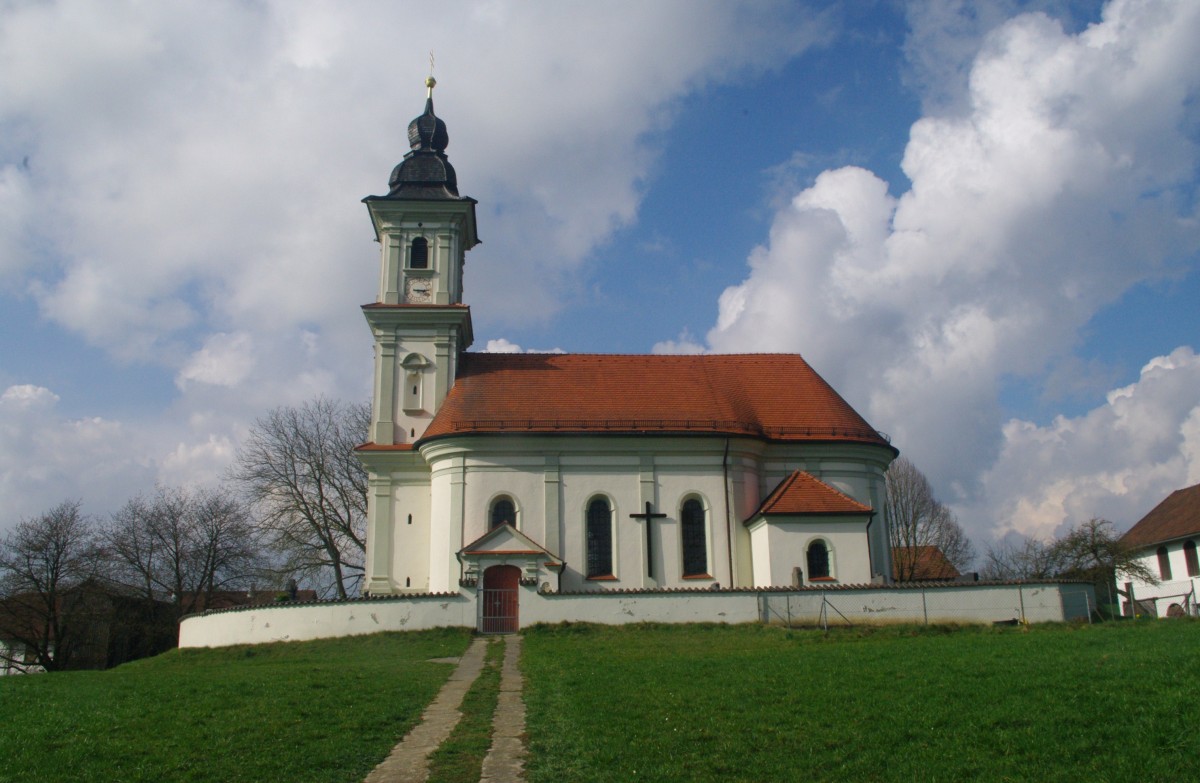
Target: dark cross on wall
x,y
649,515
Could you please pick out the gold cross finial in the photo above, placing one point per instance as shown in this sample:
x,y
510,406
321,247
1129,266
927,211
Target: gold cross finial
x,y
431,82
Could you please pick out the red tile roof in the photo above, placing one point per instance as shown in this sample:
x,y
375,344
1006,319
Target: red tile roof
x,y
1176,517
803,493
770,396
925,563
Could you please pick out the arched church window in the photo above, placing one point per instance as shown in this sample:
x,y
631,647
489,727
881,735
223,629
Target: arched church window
x,y
1189,556
599,538
504,512
692,528
418,256
1164,564
818,560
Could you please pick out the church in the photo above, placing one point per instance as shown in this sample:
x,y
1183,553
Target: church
x,y
549,474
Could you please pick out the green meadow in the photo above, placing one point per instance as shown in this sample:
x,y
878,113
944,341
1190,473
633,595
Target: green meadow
x,y
1113,702
307,711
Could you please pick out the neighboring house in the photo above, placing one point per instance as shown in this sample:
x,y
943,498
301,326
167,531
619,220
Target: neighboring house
x,y
1166,540
925,563
102,626
587,473
16,658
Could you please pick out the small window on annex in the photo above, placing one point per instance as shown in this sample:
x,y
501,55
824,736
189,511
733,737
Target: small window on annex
x,y
504,512
695,538
599,538
1164,564
1189,556
818,560
418,255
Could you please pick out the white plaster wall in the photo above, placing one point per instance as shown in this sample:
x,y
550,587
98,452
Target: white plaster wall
x,y
411,544
745,498
697,607
760,545
942,604
788,546
520,477
443,530
262,625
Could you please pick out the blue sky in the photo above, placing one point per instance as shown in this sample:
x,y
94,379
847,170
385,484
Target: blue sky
x,y
979,221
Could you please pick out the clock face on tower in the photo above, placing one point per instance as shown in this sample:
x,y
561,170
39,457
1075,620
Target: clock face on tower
x,y
418,291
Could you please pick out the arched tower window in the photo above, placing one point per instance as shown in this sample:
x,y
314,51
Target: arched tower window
x,y
1164,564
418,256
1189,556
599,538
818,560
504,511
693,529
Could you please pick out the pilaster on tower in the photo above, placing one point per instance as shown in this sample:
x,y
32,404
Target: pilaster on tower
x,y
424,229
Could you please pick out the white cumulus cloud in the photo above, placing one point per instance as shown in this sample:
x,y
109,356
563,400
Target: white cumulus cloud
x,y
180,183
1116,461
46,458
1063,177
225,360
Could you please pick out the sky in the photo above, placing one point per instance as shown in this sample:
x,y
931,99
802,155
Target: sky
x,y
980,221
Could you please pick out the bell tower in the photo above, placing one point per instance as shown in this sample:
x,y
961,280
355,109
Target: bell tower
x,y
424,229
420,326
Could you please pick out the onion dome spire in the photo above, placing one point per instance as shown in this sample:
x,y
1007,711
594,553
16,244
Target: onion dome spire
x,y
425,172
427,131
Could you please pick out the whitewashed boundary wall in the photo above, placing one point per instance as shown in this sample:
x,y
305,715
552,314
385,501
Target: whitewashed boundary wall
x,y
325,619
1033,603
953,603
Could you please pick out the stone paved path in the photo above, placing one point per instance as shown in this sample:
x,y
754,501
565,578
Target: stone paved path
x,y
409,760
505,762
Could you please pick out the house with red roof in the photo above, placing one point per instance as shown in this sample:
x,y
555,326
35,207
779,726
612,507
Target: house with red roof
x,y
925,563
1166,540
566,473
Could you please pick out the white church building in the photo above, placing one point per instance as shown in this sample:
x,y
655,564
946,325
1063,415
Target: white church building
x,y
583,472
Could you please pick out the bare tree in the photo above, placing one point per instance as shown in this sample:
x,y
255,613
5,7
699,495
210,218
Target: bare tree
x,y
918,519
182,544
1020,557
299,469
42,562
1091,551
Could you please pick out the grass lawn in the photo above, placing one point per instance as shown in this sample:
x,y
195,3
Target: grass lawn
x,y
306,711
1113,702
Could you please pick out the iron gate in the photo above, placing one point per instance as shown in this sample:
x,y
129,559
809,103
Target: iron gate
x,y
500,611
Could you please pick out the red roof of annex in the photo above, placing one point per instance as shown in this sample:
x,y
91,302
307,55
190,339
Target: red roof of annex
x,y
804,493
771,396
